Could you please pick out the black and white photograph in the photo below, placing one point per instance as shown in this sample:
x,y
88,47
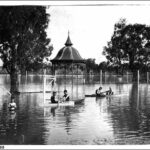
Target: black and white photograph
x,y
74,74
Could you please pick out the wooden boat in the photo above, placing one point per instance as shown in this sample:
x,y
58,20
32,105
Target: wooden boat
x,y
94,95
69,103
78,101
113,95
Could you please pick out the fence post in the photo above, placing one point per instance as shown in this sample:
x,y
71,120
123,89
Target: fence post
x,y
44,84
105,76
100,77
138,77
127,76
147,77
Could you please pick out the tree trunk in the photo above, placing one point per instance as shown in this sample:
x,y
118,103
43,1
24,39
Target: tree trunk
x,y
14,86
14,83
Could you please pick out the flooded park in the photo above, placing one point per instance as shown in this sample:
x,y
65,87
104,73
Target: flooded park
x,y
120,119
90,89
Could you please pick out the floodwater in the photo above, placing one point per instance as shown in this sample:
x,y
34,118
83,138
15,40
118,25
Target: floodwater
x,y
121,119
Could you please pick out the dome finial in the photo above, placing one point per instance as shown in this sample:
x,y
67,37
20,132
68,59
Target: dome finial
x,y
68,42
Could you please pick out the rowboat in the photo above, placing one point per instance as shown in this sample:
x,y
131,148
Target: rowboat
x,y
69,103
78,101
94,95
113,95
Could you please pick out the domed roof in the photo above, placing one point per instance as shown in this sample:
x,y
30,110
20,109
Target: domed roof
x,y
68,54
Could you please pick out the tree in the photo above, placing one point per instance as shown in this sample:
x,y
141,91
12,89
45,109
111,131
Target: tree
x,y
103,65
23,39
91,65
127,45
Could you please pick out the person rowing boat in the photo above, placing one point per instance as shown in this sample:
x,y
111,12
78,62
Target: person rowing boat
x,y
109,92
99,92
66,97
53,98
64,101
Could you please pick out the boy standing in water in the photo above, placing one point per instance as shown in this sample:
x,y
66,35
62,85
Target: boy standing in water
x,y
12,105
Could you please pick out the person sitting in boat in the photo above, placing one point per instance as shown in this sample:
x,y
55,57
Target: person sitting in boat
x,y
99,92
66,96
109,92
53,98
12,105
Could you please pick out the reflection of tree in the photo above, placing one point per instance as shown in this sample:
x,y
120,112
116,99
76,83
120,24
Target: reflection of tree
x,y
29,117
8,126
22,126
131,119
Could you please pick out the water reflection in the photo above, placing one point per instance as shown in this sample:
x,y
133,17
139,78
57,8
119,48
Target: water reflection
x,y
50,111
124,119
130,122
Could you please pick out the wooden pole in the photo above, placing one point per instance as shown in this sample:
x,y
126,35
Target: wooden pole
x,y
72,79
26,79
138,77
147,77
65,76
77,81
127,76
53,69
138,100
44,85
100,77
105,76
84,81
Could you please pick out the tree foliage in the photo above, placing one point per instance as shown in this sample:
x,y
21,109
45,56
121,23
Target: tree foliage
x,y
23,39
128,45
91,65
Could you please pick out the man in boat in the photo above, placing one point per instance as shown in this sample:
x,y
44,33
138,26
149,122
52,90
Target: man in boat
x,y
53,98
12,105
66,97
99,92
109,92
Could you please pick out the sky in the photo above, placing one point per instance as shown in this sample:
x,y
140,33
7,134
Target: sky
x,y
90,27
